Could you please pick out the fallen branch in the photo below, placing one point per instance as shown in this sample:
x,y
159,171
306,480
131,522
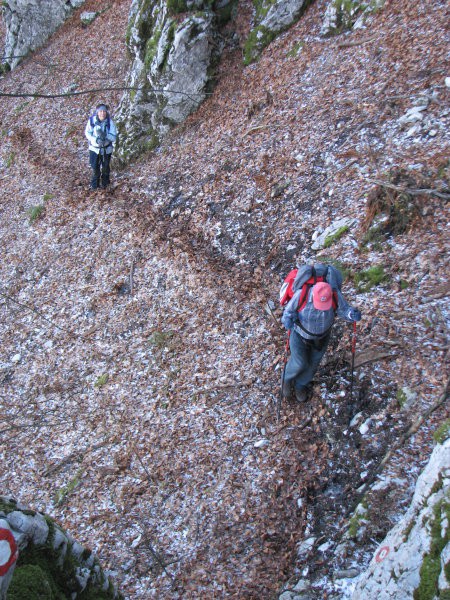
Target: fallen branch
x,y
76,455
355,43
40,314
149,477
362,360
157,558
411,191
133,262
257,128
270,312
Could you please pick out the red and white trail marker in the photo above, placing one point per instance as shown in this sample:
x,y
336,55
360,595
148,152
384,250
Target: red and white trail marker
x,y
8,551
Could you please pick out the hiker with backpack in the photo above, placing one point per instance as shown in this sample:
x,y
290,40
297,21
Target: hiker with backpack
x,y
312,298
102,133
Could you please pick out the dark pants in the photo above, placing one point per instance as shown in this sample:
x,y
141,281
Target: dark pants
x,y
100,169
304,360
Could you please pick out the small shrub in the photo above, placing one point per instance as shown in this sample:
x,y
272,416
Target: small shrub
x,y
10,160
21,107
442,432
295,50
391,211
328,260
161,338
401,398
62,494
404,284
35,212
102,380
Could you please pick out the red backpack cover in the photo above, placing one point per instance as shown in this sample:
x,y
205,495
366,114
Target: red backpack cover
x,y
287,289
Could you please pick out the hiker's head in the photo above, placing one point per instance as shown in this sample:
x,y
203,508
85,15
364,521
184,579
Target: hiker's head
x,y
322,296
102,111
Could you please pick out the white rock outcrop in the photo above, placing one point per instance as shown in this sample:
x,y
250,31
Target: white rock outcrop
x,y
29,23
416,551
174,52
341,16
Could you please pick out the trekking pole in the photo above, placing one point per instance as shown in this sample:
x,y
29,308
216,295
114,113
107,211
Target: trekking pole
x,y
285,358
353,360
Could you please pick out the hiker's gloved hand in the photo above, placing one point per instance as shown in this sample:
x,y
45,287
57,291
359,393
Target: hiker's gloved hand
x,y
287,320
354,314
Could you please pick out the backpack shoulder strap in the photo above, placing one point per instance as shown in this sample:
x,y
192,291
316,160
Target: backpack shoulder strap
x,y
304,294
335,301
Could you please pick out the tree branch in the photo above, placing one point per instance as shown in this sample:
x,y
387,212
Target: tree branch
x,y
411,191
95,91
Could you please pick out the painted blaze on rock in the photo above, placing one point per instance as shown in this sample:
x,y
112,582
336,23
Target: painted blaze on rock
x,y
8,550
40,560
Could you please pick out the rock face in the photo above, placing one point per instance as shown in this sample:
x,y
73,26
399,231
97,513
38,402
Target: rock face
x,y
174,51
29,23
415,555
270,19
39,559
342,15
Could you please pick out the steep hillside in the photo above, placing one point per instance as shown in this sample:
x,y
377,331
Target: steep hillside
x,y
140,366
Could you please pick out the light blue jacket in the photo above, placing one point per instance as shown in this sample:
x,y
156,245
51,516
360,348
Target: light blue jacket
x,y
315,322
94,128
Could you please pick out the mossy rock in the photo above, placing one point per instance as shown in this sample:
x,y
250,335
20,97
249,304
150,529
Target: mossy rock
x,y
30,582
258,39
431,566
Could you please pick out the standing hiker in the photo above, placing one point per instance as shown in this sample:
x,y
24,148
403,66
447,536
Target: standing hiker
x,y
101,133
313,299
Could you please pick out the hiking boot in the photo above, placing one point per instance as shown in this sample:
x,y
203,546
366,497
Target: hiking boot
x,y
301,394
287,389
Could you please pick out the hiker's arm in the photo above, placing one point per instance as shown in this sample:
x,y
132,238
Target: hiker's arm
x,y
89,133
289,317
112,133
345,311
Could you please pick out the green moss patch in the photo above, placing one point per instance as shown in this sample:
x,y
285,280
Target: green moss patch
x,y
331,239
176,7
7,506
431,565
365,280
258,39
442,433
30,582
35,212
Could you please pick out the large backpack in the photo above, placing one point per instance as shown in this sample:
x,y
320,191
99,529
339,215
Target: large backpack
x,y
305,278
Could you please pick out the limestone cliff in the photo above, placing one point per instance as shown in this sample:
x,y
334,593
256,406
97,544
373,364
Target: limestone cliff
x,y
29,23
174,46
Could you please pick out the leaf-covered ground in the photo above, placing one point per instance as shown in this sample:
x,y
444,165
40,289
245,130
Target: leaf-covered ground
x,y
139,365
